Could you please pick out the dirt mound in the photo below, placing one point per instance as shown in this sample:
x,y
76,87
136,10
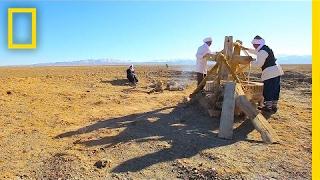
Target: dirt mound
x,y
60,166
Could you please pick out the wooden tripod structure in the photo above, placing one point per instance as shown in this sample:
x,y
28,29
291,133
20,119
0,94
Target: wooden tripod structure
x,y
230,84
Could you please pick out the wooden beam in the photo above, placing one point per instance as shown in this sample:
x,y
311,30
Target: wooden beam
x,y
268,135
219,73
236,52
212,71
237,47
227,51
238,60
242,59
241,69
225,61
228,46
227,114
210,57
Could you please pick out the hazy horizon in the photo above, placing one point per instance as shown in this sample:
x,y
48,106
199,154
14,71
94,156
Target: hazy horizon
x,y
305,59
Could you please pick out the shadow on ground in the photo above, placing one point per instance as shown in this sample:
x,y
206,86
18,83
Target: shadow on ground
x,y
135,89
186,127
117,82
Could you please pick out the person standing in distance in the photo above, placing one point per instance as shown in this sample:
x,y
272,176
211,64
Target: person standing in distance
x,y
201,65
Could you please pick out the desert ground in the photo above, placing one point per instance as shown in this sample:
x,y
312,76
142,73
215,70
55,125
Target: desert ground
x,y
89,123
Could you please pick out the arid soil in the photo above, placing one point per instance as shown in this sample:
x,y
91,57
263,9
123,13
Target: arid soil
x,y
89,123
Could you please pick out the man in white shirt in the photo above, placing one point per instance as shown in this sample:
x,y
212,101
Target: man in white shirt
x,y
271,73
201,66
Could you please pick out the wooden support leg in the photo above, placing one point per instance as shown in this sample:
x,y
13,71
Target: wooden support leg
x,y
235,77
227,114
219,73
212,71
268,135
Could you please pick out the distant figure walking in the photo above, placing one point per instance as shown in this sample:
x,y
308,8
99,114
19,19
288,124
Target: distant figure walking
x,y
132,77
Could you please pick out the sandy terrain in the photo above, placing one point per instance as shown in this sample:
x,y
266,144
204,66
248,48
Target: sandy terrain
x,y
65,122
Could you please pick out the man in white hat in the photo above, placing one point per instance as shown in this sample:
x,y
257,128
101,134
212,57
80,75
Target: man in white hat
x,y
201,66
271,73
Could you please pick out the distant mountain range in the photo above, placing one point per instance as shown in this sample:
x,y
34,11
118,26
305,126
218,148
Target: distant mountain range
x,y
96,62
292,59
88,62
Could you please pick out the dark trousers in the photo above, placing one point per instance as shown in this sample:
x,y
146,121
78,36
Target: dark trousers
x,y
200,77
132,78
271,89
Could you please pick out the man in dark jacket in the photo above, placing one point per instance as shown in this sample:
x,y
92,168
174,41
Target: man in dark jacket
x,y
271,72
131,75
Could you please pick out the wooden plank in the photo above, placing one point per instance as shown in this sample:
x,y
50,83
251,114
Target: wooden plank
x,y
227,114
268,134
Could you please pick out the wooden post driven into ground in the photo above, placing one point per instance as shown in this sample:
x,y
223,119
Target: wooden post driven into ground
x,y
228,62
227,51
228,106
227,114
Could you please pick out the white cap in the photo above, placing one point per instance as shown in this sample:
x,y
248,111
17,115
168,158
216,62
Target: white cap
x,y
207,39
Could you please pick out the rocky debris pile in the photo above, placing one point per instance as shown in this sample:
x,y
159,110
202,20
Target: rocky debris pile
x,y
188,172
60,166
176,86
172,85
157,86
103,163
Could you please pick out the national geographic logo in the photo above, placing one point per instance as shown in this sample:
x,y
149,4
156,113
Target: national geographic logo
x,y
11,43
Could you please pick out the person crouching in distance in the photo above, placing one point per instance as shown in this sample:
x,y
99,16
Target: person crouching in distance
x,y
201,65
132,77
271,73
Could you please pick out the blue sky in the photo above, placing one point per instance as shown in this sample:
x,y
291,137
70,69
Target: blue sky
x,y
141,31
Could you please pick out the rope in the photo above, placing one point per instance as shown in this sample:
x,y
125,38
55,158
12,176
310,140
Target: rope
x,y
245,51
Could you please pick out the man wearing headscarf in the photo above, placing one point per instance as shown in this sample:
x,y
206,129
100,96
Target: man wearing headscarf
x,y
201,66
131,75
271,73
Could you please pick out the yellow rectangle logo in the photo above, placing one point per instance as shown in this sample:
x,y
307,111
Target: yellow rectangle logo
x,y
11,44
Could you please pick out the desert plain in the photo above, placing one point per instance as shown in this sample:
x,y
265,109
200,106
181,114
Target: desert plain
x,y
89,123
